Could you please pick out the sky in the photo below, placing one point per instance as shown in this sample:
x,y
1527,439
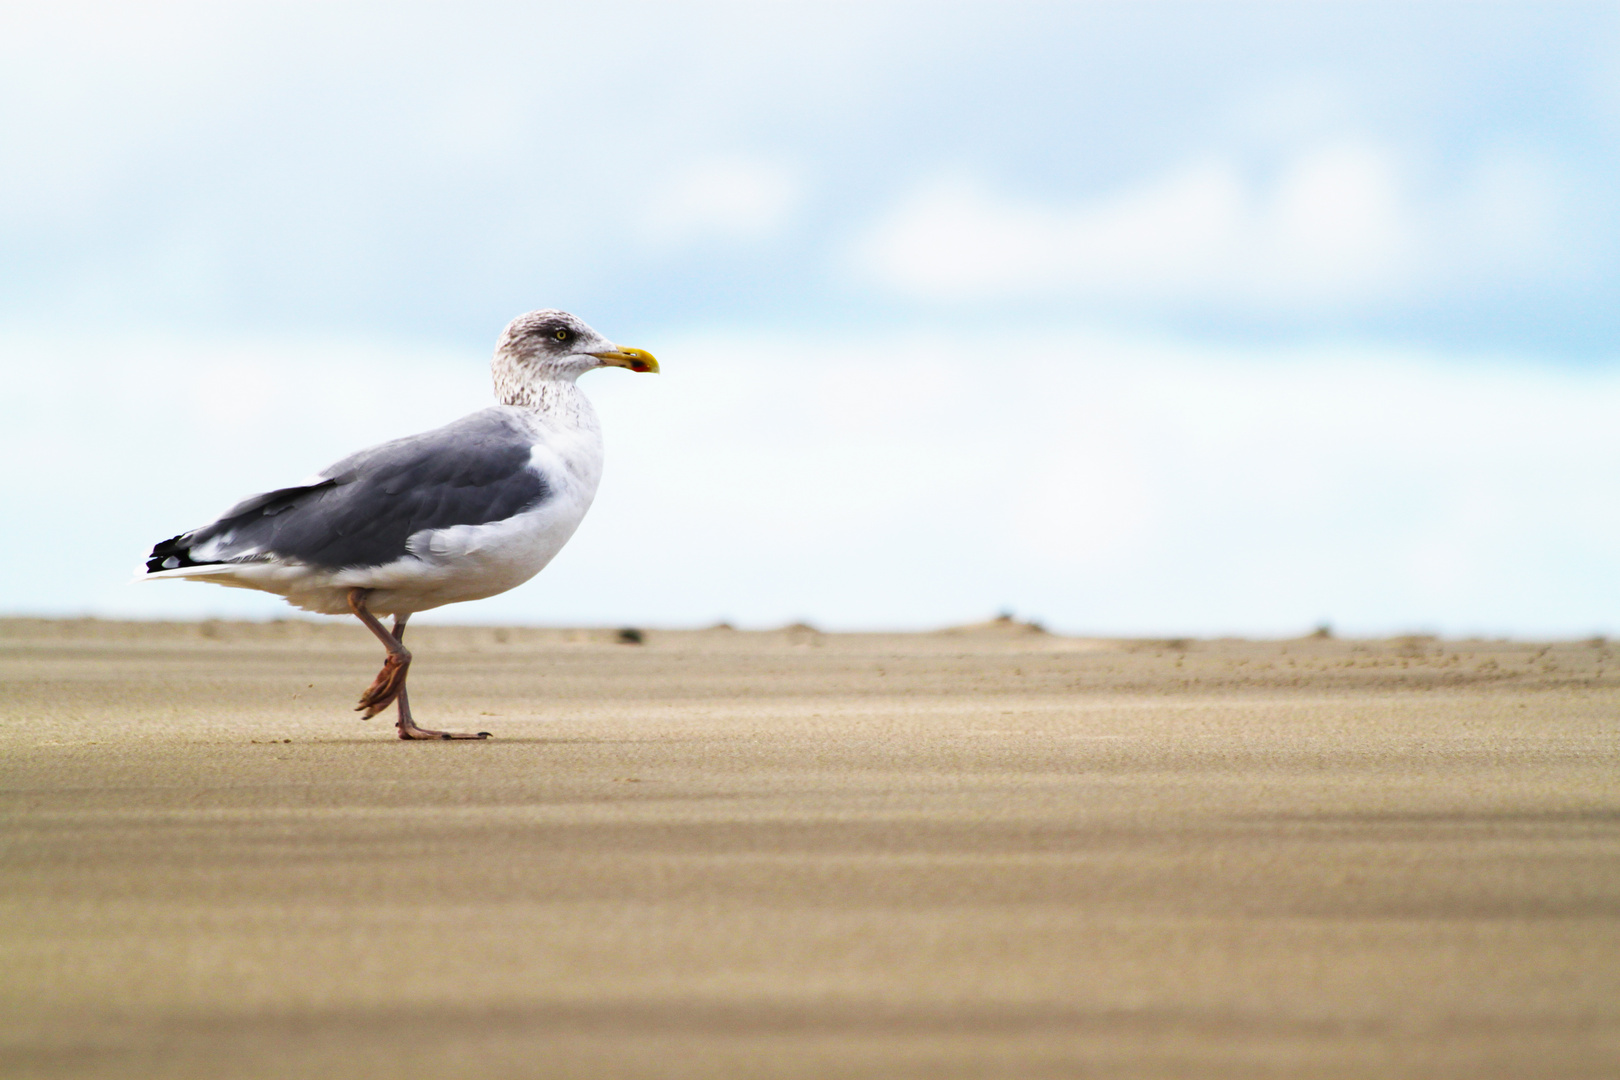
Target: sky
x,y
1160,319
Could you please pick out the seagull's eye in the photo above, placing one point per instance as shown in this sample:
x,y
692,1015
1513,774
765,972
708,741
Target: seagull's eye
x,y
562,335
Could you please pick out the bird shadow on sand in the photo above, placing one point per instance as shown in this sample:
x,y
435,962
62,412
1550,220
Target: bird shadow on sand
x,y
530,740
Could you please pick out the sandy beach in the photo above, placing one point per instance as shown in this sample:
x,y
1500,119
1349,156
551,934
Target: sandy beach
x,y
986,852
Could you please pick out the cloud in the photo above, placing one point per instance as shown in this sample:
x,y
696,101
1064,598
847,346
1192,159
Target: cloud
x,y
1338,226
344,165
728,199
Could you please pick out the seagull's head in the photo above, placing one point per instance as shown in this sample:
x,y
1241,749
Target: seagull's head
x,y
556,345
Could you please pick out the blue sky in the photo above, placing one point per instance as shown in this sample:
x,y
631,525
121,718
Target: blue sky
x,y
1137,318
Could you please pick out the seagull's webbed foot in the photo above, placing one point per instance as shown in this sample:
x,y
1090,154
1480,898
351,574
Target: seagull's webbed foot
x,y
409,730
388,685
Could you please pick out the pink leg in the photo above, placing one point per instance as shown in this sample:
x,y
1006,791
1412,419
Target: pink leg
x,y
389,686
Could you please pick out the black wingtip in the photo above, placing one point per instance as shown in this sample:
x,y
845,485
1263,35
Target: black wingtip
x,y
170,554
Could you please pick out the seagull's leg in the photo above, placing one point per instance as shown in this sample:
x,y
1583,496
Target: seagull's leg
x,y
403,702
407,727
389,685
391,679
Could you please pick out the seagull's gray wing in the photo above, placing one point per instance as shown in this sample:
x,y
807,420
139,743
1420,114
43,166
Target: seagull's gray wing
x,y
361,511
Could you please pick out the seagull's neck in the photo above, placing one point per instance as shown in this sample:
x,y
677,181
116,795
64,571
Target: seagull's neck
x,y
556,399
562,421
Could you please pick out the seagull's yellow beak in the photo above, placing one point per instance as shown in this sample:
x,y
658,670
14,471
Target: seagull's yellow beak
x,y
634,359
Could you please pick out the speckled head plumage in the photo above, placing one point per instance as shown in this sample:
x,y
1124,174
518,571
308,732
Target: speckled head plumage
x,y
553,346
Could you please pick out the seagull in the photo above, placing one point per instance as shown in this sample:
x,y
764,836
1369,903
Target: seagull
x,y
466,511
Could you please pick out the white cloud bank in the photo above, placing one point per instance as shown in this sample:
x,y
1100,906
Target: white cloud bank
x,y
1103,484
1337,226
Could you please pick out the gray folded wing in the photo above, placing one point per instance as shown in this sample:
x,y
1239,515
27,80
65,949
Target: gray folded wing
x,y
363,509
